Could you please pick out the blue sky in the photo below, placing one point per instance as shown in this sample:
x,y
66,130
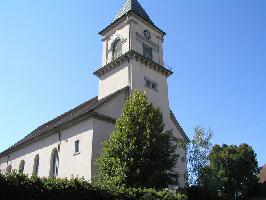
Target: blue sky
x,y
217,50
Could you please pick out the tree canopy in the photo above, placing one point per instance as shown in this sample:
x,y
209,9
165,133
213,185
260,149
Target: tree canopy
x,y
233,170
139,153
198,153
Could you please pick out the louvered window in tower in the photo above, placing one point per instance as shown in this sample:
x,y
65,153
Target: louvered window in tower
x,y
117,49
147,52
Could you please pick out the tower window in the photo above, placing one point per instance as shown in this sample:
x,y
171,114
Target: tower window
x,y
77,146
150,84
147,52
116,49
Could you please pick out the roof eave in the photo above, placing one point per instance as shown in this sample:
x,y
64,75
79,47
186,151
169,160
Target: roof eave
x,y
129,55
102,32
89,113
179,126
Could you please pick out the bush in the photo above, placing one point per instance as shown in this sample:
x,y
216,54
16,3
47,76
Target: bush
x,y
259,190
199,193
139,153
21,187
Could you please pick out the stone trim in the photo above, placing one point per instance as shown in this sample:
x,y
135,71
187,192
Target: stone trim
x,y
132,55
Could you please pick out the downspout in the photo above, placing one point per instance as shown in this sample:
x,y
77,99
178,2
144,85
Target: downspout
x,y
58,154
59,140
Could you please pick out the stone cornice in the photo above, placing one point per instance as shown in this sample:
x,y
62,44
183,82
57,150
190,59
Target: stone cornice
x,y
130,13
132,55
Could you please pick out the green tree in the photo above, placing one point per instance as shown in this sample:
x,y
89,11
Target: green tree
x,y
139,152
232,172
198,152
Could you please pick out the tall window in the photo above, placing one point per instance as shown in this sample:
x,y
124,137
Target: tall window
x,y
54,164
36,165
147,52
116,49
9,169
77,146
21,166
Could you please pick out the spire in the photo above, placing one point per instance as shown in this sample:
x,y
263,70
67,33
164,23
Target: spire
x,y
134,6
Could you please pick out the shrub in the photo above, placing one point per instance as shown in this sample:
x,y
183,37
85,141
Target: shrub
x,y
140,152
259,190
20,187
199,193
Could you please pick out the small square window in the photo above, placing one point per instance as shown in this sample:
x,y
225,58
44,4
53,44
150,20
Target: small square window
x,y
148,83
77,146
151,84
154,86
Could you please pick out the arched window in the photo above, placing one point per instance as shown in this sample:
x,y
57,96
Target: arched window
x,y
8,169
36,165
116,48
54,164
21,166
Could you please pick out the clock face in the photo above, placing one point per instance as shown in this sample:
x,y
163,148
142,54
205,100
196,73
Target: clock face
x,y
147,34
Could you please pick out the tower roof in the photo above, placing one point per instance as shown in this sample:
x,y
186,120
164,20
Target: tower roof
x,y
134,6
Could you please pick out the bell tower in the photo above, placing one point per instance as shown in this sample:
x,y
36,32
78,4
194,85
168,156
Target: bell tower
x,y
132,57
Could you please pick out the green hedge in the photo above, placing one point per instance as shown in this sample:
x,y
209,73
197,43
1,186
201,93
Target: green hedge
x,y
199,193
258,191
21,187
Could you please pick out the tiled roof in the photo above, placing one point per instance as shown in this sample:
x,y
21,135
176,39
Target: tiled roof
x,y
85,108
179,126
134,6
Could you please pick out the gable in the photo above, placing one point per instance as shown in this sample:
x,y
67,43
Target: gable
x,y
113,106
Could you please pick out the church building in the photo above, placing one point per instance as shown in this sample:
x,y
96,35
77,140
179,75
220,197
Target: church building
x,y
132,58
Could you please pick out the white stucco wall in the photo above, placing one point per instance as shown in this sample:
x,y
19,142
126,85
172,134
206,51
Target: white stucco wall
x,y
69,164
120,31
113,80
181,166
160,97
101,133
137,26
113,107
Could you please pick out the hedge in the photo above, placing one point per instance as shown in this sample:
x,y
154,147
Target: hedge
x,y
21,187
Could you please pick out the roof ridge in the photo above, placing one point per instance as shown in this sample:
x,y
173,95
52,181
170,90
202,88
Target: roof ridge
x,y
65,113
134,6
63,118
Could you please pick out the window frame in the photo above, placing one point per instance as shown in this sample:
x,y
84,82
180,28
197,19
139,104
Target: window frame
x,y
36,165
116,48
21,166
76,147
147,52
151,84
54,164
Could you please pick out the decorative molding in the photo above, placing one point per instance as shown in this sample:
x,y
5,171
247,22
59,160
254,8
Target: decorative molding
x,y
142,39
138,57
123,41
